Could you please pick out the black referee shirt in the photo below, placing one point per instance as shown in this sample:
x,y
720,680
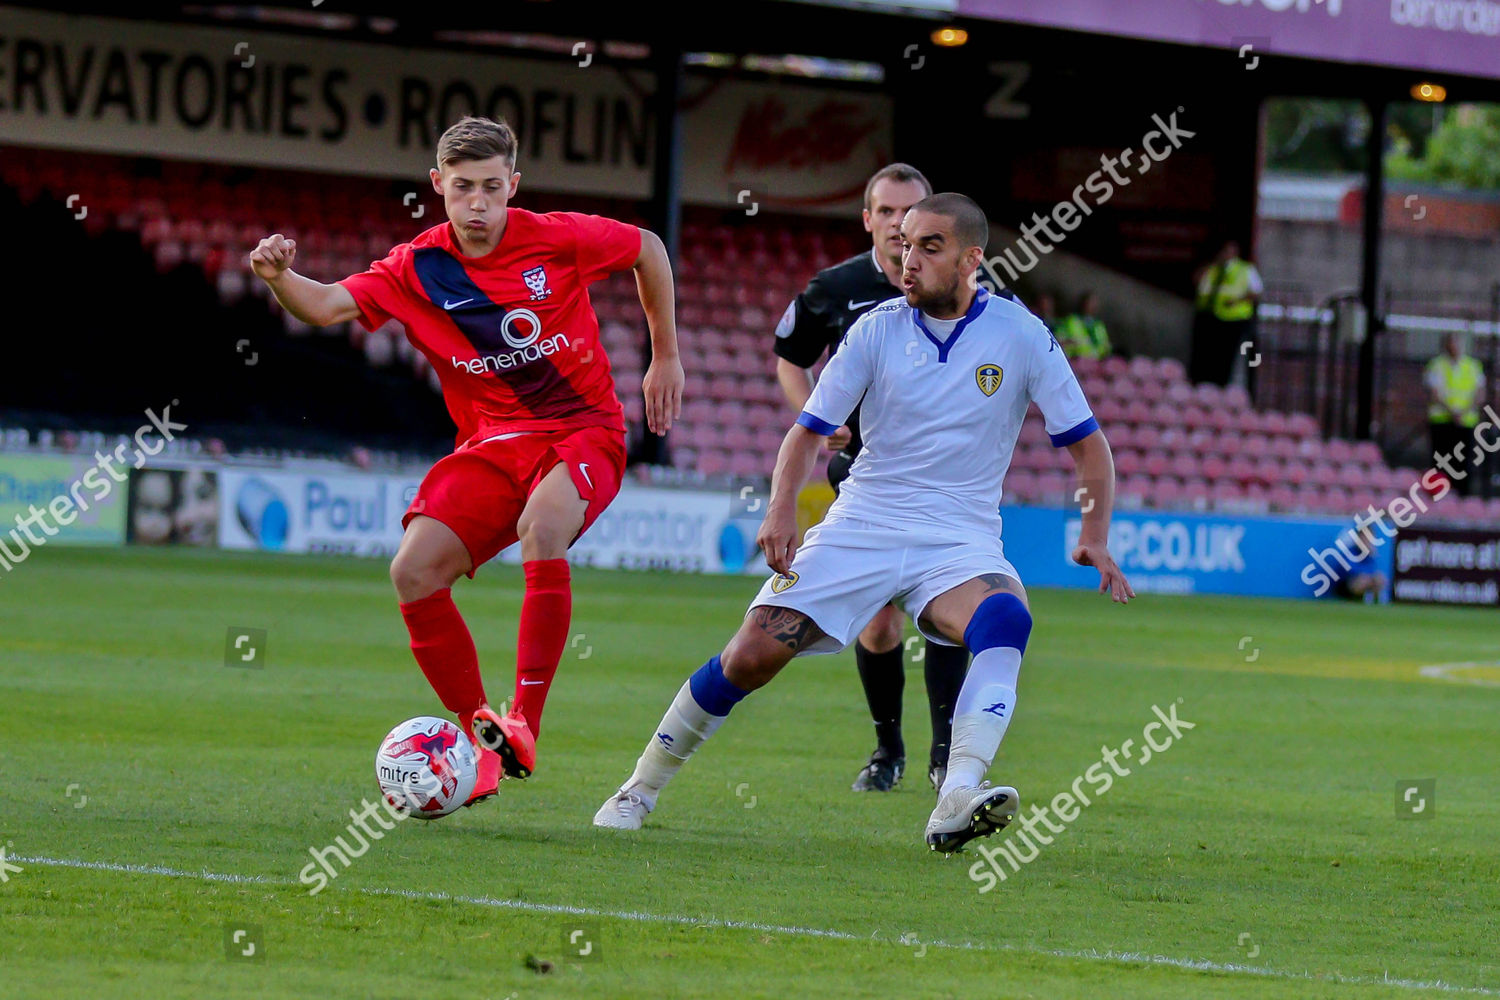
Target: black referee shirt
x,y
817,319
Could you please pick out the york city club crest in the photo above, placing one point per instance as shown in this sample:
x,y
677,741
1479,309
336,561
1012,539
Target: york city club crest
x,y
536,280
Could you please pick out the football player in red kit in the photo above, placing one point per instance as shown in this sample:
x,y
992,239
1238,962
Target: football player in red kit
x,y
496,299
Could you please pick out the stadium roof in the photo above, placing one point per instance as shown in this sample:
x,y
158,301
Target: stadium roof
x,y
1441,36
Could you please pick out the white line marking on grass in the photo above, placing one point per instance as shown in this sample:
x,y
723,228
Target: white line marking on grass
x,y
1444,672
1092,955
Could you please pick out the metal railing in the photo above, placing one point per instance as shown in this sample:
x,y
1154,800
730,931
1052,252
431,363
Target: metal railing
x,y
1310,351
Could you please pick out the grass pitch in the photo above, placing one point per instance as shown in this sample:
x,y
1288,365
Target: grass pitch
x,y
157,801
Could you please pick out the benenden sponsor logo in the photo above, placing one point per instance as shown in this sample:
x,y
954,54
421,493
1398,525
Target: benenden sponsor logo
x,y
1475,17
525,348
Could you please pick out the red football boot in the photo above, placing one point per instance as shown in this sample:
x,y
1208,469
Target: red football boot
x,y
488,781
508,736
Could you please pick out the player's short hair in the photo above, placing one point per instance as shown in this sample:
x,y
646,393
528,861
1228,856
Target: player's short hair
x,y
472,138
901,172
969,222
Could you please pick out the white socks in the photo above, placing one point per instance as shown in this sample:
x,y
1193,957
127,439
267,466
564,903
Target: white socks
x,y
681,731
981,715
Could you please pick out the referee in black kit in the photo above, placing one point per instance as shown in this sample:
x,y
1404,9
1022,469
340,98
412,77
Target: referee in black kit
x,y
816,322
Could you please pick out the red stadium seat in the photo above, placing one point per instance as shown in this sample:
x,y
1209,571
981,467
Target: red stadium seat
x,y
1208,394
738,439
1284,447
1324,474
1128,463
1086,368
1338,450
1166,492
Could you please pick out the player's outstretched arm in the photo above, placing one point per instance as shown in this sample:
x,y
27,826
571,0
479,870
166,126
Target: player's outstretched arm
x,y
662,385
794,467
1096,498
310,301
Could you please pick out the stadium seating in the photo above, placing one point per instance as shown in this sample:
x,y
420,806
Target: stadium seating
x,y
1176,445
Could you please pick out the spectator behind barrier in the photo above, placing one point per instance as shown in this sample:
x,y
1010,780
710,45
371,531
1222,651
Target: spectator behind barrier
x,y
1082,334
1455,388
1228,290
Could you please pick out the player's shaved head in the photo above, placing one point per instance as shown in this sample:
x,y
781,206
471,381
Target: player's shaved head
x,y
942,245
970,227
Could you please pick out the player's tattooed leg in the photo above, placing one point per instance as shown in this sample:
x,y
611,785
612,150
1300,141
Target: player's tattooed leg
x,y
999,583
792,629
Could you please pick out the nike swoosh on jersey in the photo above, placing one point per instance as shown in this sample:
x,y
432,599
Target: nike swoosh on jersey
x,y
860,305
583,470
455,305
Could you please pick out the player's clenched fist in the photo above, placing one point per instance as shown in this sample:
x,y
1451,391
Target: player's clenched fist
x,y
271,256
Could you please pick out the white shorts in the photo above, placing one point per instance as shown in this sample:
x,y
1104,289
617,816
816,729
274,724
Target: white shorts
x,y
848,570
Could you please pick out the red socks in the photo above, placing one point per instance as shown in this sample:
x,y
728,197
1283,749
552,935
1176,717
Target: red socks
x,y
445,651
546,612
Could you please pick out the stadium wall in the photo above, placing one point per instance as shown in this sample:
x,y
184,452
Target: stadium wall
x,y
328,509
1323,258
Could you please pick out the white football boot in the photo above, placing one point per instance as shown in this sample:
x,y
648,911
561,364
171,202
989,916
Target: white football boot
x,y
968,812
624,810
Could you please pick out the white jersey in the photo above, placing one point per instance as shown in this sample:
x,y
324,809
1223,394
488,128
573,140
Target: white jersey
x,y
940,416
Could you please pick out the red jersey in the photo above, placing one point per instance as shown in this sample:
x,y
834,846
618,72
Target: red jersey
x,y
512,335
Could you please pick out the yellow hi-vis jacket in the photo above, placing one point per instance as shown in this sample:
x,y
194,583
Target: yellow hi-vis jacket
x,y
1457,383
1224,290
1083,337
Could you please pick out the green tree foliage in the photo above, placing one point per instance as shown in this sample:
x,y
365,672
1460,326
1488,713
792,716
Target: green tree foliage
x,y
1462,152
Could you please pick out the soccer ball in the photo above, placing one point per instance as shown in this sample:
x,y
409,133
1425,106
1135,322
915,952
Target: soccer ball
x,y
426,767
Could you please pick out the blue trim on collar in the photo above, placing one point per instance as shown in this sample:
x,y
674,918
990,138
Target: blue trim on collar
x,y
1075,435
981,298
816,424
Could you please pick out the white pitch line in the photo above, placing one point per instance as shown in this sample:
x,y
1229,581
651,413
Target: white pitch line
x,y
1092,955
1444,672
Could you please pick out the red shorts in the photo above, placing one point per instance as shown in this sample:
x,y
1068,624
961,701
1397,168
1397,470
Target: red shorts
x,y
480,491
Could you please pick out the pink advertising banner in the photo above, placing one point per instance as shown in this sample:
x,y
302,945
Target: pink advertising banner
x,y
1440,36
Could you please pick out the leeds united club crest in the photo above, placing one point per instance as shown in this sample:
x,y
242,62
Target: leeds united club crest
x,y
989,378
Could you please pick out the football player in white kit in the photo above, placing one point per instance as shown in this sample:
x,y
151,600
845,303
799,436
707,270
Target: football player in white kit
x,y
946,375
